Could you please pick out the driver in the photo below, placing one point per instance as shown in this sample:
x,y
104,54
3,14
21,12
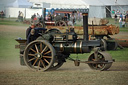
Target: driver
x,y
30,33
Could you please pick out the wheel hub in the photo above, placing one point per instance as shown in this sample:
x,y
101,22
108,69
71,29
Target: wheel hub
x,y
38,55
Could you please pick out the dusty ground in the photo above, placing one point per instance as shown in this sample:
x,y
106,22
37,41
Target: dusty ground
x,y
12,73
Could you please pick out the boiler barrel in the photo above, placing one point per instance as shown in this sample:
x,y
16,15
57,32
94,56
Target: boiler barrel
x,y
76,47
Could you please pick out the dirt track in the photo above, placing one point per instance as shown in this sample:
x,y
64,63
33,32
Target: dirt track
x,y
68,74
11,73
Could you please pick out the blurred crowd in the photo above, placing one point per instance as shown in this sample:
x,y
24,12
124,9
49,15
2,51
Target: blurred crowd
x,y
67,17
123,17
70,18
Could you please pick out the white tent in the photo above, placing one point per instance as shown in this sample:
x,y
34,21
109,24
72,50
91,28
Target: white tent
x,y
4,2
20,4
103,8
97,8
62,3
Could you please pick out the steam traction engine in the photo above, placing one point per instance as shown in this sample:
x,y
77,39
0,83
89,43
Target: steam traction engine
x,y
51,48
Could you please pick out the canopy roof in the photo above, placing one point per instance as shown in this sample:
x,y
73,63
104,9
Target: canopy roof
x,y
106,2
83,2
16,3
6,1
63,3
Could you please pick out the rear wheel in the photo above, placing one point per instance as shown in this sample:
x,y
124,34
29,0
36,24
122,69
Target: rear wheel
x,y
39,55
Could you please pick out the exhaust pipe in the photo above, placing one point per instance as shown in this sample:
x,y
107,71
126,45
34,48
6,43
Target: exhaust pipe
x,y
85,26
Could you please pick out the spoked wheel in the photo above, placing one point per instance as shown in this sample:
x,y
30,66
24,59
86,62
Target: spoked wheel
x,y
61,23
54,31
39,55
102,57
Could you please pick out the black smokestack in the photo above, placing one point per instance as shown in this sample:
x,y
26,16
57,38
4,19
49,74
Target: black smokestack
x,y
44,13
85,26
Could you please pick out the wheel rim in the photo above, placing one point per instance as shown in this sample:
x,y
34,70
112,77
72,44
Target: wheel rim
x,y
56,65
103,45
39,55
112,46
61,23
54,30
102,56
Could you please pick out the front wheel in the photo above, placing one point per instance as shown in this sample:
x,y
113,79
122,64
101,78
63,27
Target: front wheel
x,y
39,55
102,57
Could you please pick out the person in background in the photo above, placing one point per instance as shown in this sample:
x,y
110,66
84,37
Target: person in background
x,y
113,11
35,20
120,22
126,19
115,18
58,17
38,16
68,15
78,14
73,19
21,16
41,19
121,16
124,13
123,23
2,14
65,17
117,12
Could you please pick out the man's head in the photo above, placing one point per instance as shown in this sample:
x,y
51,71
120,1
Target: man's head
x,y
32,25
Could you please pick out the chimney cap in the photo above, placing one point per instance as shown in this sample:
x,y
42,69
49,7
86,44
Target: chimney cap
x,y
85,14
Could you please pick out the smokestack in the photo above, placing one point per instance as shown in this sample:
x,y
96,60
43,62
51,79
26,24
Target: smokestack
x,y
44,13
85,26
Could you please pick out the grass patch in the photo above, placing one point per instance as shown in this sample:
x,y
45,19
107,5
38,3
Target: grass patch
x,y
118,55
13,22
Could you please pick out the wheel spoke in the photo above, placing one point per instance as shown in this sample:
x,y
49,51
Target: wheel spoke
x,y
101,65
96,65
40,47
39,64
47,56
35,62
42,63
33,50
47,52
32,59
36,48
44,49
31,55
46,61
